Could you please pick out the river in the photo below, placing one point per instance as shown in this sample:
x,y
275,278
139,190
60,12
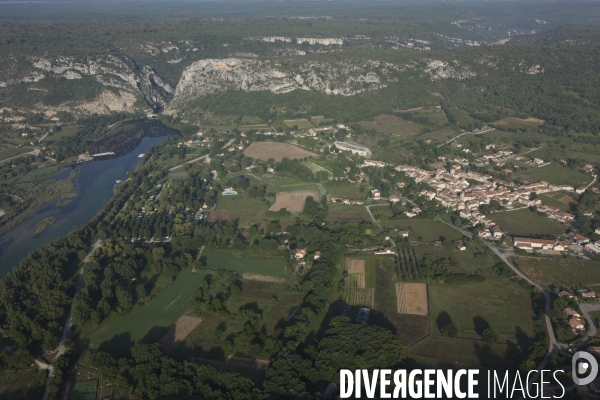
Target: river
x,y
94,185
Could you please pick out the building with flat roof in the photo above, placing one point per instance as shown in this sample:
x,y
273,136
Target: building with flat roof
x,y
355,148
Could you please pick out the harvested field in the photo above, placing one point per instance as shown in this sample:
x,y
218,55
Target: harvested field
x,y
355,266
360,297
277,151
526,121
412,298
179,331
568,200
292,201
262,278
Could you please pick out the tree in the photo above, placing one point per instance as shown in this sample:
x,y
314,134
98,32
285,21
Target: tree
x,y
451,330
490,336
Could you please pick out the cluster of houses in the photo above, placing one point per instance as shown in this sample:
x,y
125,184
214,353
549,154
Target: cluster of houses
x,y
497,157
455,192
531,244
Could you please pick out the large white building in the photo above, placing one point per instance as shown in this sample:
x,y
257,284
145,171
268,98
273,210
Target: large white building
x,y
355,148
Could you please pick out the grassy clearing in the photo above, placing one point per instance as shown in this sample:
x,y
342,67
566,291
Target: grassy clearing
x,y
13,151
560,272
260,127
147,323
554,173
444,352
248,210
500,303
526,223
317,119
430,231
65,131
390,124
301,123
344,189
314,167
84,390
244,262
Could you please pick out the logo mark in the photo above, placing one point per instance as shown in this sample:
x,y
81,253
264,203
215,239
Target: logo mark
x,y
580,367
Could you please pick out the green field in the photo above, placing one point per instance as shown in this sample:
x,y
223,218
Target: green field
x,y
314,167
560,272
554,173
65,131
248,210
301,123
501,303
84,390
551,199
149,322
345,189
13,151
526,223
438,351
244,262
428,230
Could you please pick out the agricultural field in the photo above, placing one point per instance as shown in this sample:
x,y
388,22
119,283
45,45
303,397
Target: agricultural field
x,y
496,302
13,151
275,150
345,190
301,123
556,174
150,322
559,200
428,230
526,223
360,284
519,122
248,210
398,127
559,271
317,119
65,131
409,328
411,298
439,351
258,127
84,390
350,213
292,201
314,167
243,262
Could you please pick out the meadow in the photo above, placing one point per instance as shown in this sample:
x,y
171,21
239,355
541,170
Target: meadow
x,y
496,302
526,223
301,123
13,151
560,272
345,189
269,264
248,210
427,230
149,322
554,173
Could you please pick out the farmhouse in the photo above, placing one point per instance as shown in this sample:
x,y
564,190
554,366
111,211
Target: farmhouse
x,y
576,324
540,244
300,253
385,250
355,148
569,312
404,233
496,232
565,295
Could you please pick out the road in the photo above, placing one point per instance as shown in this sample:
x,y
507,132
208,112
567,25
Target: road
x,y
188,162
463,134
62,349
35,152
592,182
372,217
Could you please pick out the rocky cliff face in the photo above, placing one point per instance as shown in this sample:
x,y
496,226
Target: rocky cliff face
x,y
120,73
343,78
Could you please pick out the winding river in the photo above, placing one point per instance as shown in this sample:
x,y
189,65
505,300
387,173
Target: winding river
x,y
94,185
